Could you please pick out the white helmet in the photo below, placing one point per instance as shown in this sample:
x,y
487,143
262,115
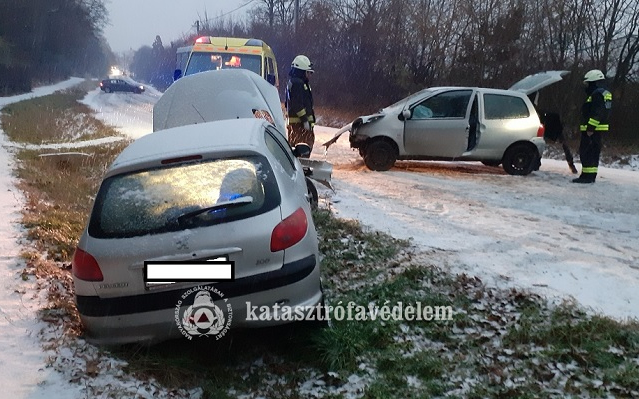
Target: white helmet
x,y
302,62
594,76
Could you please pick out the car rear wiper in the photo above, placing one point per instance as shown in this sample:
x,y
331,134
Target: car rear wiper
x,y
220,205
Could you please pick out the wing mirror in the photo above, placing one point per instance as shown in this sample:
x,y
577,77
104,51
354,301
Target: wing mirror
x,y
177,74
302,150
270,78
406,114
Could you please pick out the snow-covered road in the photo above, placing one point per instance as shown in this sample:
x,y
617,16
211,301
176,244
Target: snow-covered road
x,y
539,232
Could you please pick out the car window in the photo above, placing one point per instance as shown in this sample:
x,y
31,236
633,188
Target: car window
x,y
206,61
449,104
500,106
152,201
271,68
278,147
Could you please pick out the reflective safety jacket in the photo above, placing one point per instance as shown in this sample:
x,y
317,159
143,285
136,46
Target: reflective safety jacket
x,y
595,113
299,98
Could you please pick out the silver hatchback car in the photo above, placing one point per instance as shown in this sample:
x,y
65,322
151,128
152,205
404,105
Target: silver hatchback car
x,y
457,123
228,193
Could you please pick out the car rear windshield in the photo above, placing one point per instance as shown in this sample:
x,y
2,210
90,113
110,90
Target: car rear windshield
x,y
207,61
183,196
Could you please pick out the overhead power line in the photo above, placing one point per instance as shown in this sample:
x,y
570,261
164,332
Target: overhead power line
x,y
230,12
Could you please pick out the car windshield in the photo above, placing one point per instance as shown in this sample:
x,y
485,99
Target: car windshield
x,y
207,61
410,97
183,196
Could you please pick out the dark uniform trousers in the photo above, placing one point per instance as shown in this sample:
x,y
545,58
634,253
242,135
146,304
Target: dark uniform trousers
x,y
297,134
589,151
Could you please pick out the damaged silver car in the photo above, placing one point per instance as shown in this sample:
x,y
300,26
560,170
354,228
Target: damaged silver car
x,y
231,94
492,126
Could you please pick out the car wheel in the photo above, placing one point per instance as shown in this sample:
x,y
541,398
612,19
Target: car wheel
x,y
491,163
312,193
107,90
520,159
380,155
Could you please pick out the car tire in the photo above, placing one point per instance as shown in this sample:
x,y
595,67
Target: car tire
x,y
491,163
520,159
380,155
107,90
313,196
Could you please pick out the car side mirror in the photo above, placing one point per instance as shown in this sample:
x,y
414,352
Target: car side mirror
x,y
270,78
302,150
406,114
177,74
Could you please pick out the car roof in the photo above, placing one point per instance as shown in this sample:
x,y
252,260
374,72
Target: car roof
x,y
230,136
482,89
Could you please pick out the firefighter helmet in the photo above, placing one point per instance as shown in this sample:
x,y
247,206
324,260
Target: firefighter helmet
x,y
302,62
594,76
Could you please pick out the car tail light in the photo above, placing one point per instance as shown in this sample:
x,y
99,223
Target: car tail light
x,y
289,231
85,267
541,130
262,114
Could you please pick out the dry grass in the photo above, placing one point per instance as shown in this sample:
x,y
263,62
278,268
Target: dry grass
x,y
54,119
60,192
59,195
59,189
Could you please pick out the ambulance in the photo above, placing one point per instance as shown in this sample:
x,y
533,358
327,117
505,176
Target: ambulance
x,y
214,53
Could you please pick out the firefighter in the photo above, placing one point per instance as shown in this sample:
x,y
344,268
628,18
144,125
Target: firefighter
x,y
595,114
299,103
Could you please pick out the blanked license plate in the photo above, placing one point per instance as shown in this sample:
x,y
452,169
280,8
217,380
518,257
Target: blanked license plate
x,y
159,274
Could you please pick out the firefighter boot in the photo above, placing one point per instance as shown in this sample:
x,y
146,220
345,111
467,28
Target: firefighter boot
x,y
585,179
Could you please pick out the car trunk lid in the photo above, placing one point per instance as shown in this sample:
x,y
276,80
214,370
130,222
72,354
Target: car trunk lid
x,y
246,243
533,83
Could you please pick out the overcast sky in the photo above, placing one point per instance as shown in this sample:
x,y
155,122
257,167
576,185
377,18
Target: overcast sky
x,y
135,23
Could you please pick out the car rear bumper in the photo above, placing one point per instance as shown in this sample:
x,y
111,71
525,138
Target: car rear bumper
x,y
152,317
540,144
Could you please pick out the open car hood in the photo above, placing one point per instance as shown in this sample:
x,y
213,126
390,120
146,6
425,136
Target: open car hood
x,y
538,81
217,95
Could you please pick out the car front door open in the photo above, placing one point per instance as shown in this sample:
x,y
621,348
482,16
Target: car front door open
x,y
439,125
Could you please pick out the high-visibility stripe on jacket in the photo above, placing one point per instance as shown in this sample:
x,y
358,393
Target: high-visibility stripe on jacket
x,y
299,100
596,111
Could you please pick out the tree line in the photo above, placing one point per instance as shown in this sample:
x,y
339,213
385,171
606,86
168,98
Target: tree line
x,y
373,51
49,40
378,51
